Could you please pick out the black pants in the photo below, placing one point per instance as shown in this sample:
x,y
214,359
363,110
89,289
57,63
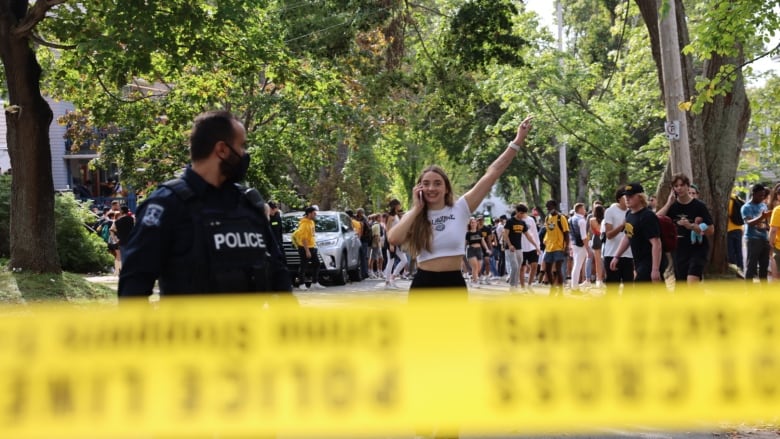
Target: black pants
x,y
310,268
624,273
757,259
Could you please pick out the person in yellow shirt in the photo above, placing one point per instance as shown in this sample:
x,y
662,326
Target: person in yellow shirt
x,y
774,236
307,250
556,246
734,231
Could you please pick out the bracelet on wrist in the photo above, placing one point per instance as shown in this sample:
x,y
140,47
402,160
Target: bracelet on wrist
x,y
514,146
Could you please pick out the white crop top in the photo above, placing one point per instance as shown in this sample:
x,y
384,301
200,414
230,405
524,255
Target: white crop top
x,y
449,227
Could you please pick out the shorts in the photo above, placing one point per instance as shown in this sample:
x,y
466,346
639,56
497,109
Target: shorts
x,y
595,242
689,262
438,282
375,253
474,252
530,257
550,257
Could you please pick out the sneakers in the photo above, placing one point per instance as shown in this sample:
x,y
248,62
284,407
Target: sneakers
x,y
303,287
317,286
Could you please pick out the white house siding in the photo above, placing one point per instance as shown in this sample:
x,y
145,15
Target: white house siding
x,y
56,132
59,170
5,160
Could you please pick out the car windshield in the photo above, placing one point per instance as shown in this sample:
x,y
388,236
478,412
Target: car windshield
x,y
323,223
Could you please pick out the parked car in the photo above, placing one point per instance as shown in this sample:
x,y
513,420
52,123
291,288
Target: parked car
x,y
338,246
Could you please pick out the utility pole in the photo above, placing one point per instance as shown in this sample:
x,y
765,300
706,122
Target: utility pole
x,y
562,149
676,126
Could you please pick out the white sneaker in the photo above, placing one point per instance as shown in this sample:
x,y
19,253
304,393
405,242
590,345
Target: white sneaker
x,y
303,287
475,285
317,286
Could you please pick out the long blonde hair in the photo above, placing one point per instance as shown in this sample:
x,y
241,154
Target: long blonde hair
x,y
421,233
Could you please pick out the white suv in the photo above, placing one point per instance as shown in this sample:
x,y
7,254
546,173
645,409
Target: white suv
x,y
338,246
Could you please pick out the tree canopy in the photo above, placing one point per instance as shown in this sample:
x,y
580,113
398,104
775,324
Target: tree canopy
x,y
345,101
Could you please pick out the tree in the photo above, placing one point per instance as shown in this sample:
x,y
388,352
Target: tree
x,y
724,31
28,117
105,42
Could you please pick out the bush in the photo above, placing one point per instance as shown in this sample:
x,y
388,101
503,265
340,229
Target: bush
x,y
80,250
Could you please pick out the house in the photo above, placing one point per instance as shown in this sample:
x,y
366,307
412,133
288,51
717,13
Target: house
x,y
69,168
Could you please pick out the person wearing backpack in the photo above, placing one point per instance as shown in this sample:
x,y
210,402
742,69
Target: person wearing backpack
x,y
690,255
556,244
204,233
734,231
580,249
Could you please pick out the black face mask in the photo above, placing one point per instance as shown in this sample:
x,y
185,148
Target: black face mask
x,y
235,170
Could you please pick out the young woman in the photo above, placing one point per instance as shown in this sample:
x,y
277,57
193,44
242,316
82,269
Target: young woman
x,y
476,245
434,227
596,242
393,253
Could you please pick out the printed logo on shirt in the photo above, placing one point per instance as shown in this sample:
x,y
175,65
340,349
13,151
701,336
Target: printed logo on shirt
x,y
629,229
152,215
440,223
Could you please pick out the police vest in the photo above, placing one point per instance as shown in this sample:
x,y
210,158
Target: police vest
x,y
228,251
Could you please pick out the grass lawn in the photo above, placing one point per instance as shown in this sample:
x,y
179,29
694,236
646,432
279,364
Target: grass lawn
x,y
23,288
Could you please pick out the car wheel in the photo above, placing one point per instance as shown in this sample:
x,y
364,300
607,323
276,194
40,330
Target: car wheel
x,y
340,278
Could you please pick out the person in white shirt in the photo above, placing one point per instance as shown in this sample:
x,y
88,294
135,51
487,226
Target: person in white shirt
x,y
531,251
612,229
579,244
434,227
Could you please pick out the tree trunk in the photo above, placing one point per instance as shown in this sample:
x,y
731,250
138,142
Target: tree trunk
x,y
715,136
28,116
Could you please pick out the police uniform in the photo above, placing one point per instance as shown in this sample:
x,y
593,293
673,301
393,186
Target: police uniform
x,y
198,239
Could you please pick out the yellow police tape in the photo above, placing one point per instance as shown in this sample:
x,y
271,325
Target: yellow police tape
x,y
242,367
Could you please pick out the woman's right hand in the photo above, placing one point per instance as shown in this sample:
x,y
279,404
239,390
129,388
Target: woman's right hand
x,y
419,196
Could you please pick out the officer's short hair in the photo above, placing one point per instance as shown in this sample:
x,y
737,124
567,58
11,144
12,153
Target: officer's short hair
x,y
208,129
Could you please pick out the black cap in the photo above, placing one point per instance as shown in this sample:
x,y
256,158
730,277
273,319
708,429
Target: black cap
x,y
633,188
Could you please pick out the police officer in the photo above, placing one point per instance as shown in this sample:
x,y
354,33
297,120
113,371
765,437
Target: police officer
x,y
203,232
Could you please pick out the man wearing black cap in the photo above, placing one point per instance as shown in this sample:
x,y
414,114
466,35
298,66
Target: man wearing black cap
x,y
643,235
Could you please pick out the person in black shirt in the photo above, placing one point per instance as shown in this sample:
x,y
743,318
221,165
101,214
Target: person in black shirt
x,y
514,230
643,234
476,244
692,219
275,219
204,233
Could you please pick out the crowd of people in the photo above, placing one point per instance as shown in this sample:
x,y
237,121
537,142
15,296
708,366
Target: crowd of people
x,y
232,242
599,247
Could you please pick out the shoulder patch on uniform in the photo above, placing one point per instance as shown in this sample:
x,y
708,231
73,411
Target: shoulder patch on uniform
x,y
152,215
